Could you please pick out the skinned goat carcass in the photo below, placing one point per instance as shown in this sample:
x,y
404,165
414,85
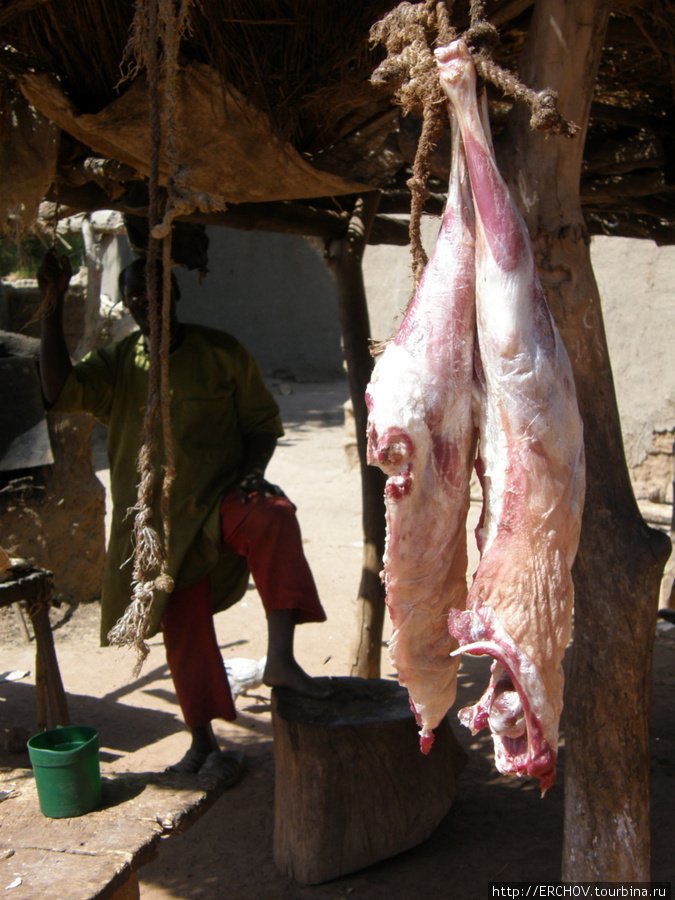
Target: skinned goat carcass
x,y
531,465
421,433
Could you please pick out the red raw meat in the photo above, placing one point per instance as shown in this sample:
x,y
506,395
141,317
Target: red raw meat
x,y
531,463
421,433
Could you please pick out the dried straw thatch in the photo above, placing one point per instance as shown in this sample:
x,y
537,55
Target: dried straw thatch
x,y
298,73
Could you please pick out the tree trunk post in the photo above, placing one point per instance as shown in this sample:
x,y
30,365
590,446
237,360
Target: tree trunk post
x,y
344,259
620,559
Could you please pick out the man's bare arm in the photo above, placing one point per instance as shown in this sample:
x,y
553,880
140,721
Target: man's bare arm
x,y
258,450
55,364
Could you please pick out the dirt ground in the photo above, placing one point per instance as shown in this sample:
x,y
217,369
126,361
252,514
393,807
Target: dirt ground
x,y
498,829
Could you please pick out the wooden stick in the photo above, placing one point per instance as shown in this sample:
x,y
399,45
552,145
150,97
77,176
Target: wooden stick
x,y
19,614
50,695
344,259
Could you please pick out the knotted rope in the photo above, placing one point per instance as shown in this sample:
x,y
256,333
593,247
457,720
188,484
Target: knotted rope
x,y
155,22
410,68
181,200
409,33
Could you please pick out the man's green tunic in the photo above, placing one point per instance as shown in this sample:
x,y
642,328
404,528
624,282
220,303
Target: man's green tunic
x,y
217,397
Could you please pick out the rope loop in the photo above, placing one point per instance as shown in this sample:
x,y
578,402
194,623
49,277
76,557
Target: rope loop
x,y
481,37
409,71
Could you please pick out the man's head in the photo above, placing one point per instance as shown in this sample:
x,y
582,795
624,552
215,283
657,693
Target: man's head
x,y
133,291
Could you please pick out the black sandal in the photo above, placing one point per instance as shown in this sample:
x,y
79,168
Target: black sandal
x,y
190,764
228,765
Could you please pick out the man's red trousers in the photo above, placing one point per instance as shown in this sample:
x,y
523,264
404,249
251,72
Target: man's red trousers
x,y
265,531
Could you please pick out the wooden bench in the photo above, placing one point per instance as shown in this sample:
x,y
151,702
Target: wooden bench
x,y
95,856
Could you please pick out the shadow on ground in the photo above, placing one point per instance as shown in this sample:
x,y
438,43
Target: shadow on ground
x,y
498,829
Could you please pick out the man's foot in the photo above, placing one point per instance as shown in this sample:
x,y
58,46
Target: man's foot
x,y
291,675
228,765
203,742
190,764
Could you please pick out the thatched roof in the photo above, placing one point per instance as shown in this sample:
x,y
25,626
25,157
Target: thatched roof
x,y
278,118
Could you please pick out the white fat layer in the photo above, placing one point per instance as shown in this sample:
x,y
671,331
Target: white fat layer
x,y
529,397
529,389
398,398
421,433
506,717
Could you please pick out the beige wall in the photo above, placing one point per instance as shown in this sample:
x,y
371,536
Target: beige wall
x,y
635,279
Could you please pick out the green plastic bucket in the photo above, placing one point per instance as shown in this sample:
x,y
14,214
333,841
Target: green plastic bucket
x,y
67,774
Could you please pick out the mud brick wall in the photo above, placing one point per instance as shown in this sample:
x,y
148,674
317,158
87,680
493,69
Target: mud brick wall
x,y
20,309
653,477
61,528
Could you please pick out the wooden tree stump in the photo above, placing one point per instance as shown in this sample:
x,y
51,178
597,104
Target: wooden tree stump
x,y
351,785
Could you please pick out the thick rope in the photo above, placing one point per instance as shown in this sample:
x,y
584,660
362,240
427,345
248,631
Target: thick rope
x,y
157,22
408,33
481,37
150,548
164,350
181,200
410,68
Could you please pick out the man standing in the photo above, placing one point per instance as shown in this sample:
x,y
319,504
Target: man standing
x,y
226,519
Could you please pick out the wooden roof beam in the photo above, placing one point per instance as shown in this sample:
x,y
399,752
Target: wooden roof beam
x,y
498,12
18,8
398,203
656,208
502,11
662,235
285,217
620,115
623,32
606,191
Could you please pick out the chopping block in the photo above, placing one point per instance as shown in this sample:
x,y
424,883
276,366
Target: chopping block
x,y
351,785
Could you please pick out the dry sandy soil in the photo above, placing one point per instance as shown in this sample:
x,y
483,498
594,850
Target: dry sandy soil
x,y
497,830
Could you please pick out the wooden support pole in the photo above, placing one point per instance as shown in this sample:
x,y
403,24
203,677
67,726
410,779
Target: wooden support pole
x,y
21,620
52,706
620,559
344,259
35,587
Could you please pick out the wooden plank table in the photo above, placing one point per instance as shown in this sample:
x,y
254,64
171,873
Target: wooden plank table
x,y
95,856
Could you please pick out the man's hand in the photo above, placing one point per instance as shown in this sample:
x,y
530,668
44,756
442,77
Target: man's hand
x,y
53,276
255,483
